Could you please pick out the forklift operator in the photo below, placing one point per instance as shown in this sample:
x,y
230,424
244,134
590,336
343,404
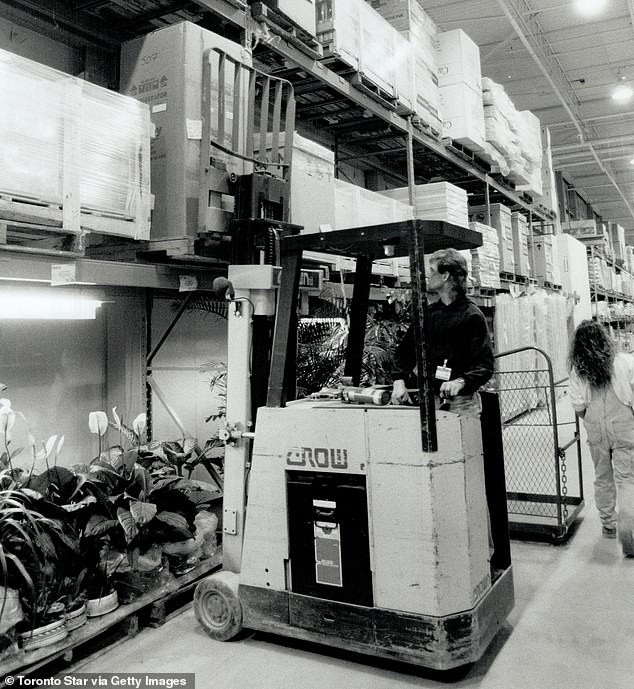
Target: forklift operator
x,y
460,352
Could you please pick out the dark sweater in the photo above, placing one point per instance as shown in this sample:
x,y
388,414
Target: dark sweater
x,y
458,333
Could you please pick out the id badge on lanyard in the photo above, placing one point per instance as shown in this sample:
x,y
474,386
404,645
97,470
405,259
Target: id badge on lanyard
x,y
443,372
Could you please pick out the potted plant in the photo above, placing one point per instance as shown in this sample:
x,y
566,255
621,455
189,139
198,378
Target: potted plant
x,y
33,549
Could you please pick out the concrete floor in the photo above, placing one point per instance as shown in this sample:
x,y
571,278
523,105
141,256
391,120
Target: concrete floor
x,y
572,628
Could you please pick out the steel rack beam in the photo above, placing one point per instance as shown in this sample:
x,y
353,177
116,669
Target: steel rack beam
x,y
374,108
17,265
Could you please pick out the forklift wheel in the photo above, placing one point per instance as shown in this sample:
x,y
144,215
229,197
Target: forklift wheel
x,y
217,606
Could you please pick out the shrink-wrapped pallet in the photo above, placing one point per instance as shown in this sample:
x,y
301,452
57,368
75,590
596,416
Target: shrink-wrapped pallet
x,y
410,19
354,32
79,152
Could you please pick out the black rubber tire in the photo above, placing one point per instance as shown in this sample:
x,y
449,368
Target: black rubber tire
x,y
217,606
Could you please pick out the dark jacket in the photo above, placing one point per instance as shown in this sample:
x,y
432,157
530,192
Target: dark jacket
x,y
456,332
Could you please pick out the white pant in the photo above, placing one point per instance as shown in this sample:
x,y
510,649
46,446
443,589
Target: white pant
x,y
610,428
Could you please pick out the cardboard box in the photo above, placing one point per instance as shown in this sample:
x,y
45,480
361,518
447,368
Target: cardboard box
x,y
164,69
617,235
414,53
458,59
463,115
502,221
361,37
541,247
520,244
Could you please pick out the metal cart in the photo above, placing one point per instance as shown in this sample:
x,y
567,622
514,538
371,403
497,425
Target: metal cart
x,y
542,448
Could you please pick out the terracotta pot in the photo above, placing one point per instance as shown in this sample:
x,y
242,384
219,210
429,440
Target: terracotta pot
x,y
96,607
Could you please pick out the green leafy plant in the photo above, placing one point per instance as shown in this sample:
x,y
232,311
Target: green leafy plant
x,y
38,549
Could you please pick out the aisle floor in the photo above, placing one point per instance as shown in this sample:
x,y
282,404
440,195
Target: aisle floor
x,y
572,628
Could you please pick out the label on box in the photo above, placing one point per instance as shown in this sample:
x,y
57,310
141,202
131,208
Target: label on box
x,y
63,274
187,283
160,107
194,129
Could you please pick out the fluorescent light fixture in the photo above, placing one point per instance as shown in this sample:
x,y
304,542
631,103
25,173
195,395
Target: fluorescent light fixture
x,y
590,7
621,93
31,304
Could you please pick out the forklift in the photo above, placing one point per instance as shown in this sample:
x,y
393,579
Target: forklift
x,y
347,521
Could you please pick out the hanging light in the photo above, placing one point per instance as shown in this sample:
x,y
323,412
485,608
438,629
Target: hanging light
x,y
590,7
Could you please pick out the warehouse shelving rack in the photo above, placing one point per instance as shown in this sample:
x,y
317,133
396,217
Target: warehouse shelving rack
x,y
623,324
361,126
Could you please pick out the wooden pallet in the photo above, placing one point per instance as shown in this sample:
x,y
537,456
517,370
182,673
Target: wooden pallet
x,y
343,67
99,633
16,210
286,28
420,124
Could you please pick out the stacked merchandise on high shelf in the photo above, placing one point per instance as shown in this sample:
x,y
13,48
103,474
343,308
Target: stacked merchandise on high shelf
x,y
460,83
500,217
436,201
73,154
410,19
351,32
165,70
513,138
485,260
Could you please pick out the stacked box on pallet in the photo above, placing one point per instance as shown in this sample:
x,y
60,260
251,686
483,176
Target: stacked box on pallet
x,y
617,235
77,150
520,244
312,198
499,216
355,33
359,207
505,129
629,258
485,260
531,146
595,271
410,19
460,84
165,70
300,12
542,252
549,196
436,201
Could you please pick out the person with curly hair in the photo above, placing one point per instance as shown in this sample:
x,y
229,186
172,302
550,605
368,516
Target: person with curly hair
x,y
602,394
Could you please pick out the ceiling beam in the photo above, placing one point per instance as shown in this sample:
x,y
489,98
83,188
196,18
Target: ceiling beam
x,y
523,19
594,142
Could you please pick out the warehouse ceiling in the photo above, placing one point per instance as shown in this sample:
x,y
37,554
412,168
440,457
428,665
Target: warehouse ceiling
x,y
563,66
550,59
